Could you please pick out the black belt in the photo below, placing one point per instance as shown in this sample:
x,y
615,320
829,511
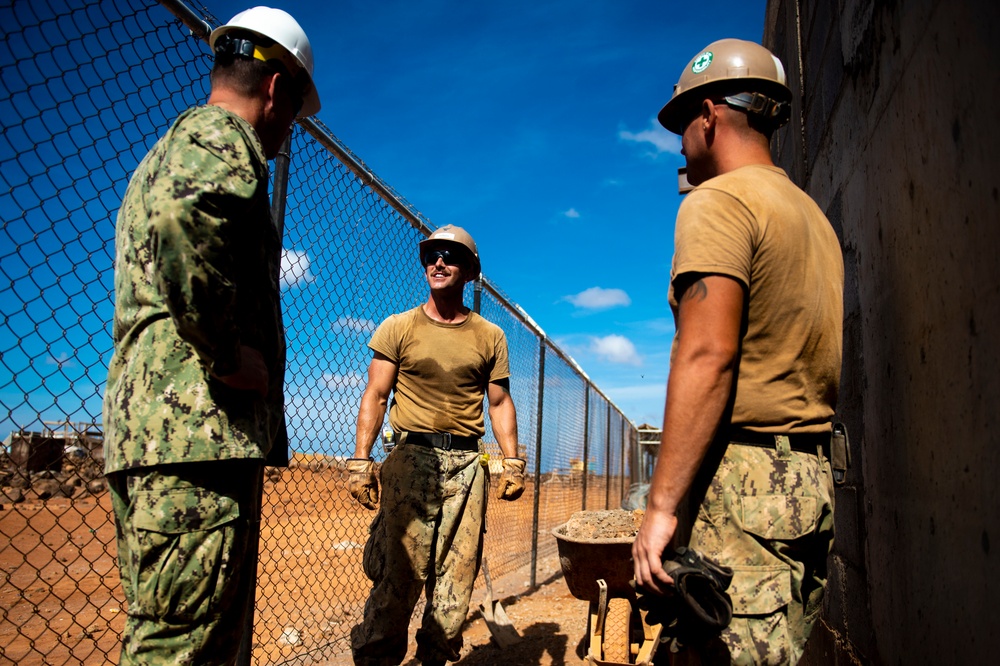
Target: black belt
x,y
443,440
803,442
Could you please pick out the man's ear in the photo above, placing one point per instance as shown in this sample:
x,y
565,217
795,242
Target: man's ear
x,y
269,87
709,113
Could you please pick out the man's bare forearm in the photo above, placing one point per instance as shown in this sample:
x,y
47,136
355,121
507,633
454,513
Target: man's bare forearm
x,y
503,417
698,391
370,417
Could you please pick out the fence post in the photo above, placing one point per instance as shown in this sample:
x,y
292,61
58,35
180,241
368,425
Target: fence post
x,y
586,441
621,494
279,194
607,460
477,293
538,461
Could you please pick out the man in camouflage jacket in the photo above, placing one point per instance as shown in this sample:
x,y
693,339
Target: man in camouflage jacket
x,y
194,402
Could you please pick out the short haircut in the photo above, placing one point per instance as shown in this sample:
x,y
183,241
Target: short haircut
x,y
241,74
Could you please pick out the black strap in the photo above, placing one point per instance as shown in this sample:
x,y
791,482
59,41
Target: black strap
x,y
803,442
443,440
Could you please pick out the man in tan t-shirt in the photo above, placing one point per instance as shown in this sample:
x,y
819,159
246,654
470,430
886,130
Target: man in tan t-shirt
x,y
743,474
438,360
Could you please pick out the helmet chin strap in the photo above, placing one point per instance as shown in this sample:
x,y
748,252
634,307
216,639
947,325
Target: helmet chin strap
x,y
761,105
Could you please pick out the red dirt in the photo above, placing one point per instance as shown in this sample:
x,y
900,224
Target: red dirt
x,y
61,596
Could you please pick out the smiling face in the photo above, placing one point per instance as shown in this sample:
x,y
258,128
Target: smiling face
x,y
446,267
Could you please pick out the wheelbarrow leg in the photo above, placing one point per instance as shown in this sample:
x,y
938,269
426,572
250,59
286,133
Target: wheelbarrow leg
x,y
595,630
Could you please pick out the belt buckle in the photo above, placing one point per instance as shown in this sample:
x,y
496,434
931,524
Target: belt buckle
x,y
446,441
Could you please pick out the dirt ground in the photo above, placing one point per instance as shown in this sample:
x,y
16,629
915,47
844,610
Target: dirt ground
x,y
551,622
60,597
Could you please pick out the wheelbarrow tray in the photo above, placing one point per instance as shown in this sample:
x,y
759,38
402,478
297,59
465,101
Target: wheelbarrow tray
x,y
584,561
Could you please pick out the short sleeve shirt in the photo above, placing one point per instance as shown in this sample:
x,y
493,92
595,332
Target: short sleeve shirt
x,y
444,371
754,225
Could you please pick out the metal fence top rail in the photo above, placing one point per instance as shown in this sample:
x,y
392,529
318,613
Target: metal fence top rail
x,y
201,29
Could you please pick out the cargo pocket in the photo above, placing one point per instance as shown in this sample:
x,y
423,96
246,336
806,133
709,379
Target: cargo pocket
x,y
779,517
184,544
373,556
760,590
762,583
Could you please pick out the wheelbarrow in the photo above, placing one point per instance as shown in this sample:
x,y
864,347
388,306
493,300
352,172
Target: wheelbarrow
x,y
599,570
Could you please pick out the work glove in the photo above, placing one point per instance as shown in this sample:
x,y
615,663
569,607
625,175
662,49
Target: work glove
x,y
362,482
697,605
512,480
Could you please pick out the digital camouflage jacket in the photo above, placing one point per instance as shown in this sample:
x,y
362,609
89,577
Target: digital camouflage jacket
x,y
196,275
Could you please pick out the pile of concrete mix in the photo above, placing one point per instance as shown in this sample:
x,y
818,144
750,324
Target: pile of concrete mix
x,y
612,524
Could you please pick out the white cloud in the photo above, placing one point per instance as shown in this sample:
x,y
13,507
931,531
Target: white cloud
x,y
339,382
597,298
353,325
660,139
63,361
616,349
295,268
572,213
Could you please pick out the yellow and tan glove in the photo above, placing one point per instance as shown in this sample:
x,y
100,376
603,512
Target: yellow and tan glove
x,y
362,482
512,480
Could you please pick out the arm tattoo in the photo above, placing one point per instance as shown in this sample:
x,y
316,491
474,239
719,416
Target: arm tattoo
x,y
698,291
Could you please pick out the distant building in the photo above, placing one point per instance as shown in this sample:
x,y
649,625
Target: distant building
x,y
45,450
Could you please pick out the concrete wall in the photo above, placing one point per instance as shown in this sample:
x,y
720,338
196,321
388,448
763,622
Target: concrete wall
x,y
895,135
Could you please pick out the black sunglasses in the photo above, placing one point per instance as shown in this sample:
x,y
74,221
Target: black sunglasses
x,y
449,257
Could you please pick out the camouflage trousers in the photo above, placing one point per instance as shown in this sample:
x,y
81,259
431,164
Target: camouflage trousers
x,y
768,514
186,535
427,535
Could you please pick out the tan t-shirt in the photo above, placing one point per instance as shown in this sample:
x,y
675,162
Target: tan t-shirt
x,y
444,370
753,224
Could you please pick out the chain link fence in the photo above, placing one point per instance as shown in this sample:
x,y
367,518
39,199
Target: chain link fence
x,y
88,87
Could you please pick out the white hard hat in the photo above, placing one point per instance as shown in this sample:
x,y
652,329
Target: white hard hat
x,y
278,26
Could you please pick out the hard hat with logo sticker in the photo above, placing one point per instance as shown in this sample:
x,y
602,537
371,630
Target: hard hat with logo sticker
x,y
450,234
283,40
749,76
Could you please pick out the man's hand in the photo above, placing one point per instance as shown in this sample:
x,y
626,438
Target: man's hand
x,y
647,550
362,483
512,480
252,375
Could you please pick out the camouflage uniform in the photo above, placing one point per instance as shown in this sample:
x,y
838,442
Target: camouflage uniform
x,y
196,277
440,527
768,514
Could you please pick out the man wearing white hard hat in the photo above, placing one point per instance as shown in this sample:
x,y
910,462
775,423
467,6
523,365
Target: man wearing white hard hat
x,y
194,404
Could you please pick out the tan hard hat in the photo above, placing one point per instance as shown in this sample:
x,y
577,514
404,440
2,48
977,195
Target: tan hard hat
x,y
730,66
449,233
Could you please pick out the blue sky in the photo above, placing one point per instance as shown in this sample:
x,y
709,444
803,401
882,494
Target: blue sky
x,y
532,124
